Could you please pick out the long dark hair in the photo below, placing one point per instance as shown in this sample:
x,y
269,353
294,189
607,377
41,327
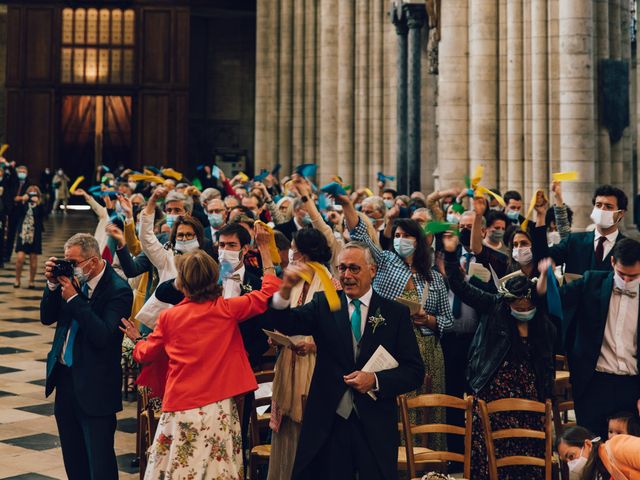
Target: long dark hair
x,y
422,256
575,437
313,244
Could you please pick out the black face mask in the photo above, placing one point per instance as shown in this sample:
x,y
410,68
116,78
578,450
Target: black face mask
x,y
465,237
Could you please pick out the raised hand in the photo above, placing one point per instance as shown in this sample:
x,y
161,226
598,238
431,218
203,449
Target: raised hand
x,y
129,329
126,205
114,232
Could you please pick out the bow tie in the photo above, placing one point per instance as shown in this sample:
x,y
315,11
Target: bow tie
x,y
235,277
621,291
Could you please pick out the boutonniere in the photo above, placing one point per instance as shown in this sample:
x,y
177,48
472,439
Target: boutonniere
x,y
246,288
376,320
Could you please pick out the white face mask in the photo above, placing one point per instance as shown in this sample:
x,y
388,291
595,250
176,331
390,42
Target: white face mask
x,y
522,255
187,246
231,257
553,238
576,466
620,283
603,218
290,255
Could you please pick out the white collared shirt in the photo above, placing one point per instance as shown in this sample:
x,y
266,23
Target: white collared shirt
x,y
230,287
618,354
608,243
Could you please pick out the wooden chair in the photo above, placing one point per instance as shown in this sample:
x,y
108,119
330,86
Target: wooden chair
x,y
422,458
562,404
561,363
147,425
511,405
260,453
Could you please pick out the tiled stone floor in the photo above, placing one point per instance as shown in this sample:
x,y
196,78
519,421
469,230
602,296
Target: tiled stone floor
x,y
29,445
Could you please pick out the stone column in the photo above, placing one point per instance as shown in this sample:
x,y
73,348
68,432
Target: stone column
x,y
453,147
285,107
615,53
554,86
267,47
361,108
503,145
415,20
515,140
399,20
345,88
390,97
627,155
297,128
539,97
377,20
483,88
577,104
311,85
526,100
328,106
602,52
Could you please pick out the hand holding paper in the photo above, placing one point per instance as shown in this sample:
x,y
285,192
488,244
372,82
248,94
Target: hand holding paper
x,y
380,360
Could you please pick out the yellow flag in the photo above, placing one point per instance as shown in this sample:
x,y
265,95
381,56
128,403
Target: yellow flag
x,y
75,184
3,149
481,190
532,205
139,177
477,176
327,285
273,249
368,192
170,172
243,177
565,176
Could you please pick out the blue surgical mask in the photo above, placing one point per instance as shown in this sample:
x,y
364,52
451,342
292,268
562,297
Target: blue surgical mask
x,y
512,214
22,175
170,220
454,219
187,246
404,246
524,316
215,219
82,277
388,203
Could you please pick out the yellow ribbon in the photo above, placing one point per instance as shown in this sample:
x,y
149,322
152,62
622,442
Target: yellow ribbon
x,y
139,177
565,176
368,192
3,149
243,177
273,249
170,172
75,184
327,285
479,189
532,205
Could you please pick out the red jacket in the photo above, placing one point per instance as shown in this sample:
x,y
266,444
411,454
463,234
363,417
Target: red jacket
x,y
202,344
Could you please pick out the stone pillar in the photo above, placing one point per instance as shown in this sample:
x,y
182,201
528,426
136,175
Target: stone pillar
x,y
627,153
539,97
297,128
577,104
267,47
602,52
483,88
453,144
311,85
328,108
554,86
615,53
361,108
376,47
503,145
390,98
515,96
345,88
526,101
399,20
285,107
415,21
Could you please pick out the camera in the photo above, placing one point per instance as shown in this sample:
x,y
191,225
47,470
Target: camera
x,y
62,268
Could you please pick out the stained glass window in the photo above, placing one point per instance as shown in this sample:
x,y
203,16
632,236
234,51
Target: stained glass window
x,y
113,31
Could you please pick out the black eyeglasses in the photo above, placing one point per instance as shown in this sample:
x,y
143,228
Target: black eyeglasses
x,y
355,269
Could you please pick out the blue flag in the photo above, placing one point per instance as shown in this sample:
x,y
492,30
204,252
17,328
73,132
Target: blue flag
x,y
554,303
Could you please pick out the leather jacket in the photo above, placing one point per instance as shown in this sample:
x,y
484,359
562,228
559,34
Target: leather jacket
x,y
492,340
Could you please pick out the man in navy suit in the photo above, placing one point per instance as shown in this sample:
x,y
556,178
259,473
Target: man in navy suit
x,y
347,434
84,362
600,333
582,251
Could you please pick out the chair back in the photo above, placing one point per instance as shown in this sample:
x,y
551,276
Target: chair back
x,y
519,405
264,376
433,400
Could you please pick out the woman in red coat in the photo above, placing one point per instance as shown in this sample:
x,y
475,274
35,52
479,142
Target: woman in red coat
x,y
198,435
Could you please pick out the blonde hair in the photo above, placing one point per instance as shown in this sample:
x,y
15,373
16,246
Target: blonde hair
x,y
198,276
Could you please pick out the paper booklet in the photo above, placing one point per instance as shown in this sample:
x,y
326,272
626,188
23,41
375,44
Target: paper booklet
x,y
478,270
570,277
282,339
380,360
414,307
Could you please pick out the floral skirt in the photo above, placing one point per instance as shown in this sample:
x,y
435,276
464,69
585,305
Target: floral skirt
x,y
202,443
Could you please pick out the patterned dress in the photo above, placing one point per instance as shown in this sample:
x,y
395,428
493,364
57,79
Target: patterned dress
x,y
514,379
201,443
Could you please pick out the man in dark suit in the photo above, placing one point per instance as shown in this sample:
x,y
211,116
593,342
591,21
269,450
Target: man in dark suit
x,y
18,185
84,362
299,220
347,434
600,331
582,251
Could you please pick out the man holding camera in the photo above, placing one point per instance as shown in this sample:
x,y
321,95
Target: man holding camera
x,y
86,299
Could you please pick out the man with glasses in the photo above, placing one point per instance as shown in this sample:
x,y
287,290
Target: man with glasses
x,y
346,433
84,362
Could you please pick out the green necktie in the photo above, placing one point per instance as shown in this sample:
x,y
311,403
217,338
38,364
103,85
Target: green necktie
x,y
356,320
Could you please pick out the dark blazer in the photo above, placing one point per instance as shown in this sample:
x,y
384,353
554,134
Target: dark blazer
x,y
586,304
288,228
97,350
332,334
577,251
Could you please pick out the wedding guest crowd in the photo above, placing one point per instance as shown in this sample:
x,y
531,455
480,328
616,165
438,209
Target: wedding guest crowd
x,y
470,292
